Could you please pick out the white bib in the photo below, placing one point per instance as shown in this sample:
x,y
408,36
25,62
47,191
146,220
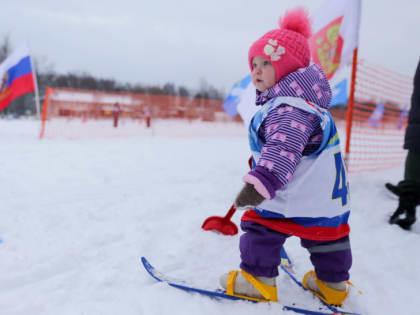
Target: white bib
x,y
319,186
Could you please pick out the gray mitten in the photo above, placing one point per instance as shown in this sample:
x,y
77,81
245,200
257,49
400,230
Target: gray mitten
x,y
248,196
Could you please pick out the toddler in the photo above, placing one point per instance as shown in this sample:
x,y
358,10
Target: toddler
x,y
298,183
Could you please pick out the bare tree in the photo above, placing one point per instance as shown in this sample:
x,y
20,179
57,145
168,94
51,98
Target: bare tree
x,y
5,48
183,91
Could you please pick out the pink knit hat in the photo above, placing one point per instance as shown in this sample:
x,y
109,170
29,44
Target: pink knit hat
x,y
287,47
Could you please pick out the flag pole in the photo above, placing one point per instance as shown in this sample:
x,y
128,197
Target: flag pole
x,y
37,106
350,108
48,91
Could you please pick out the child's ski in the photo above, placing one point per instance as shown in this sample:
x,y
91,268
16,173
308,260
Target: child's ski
x,y
289,269
218,293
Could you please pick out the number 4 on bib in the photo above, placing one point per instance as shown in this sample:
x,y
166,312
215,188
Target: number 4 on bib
x,y
341,188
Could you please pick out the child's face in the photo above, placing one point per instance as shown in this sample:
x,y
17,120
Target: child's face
x,y
263,74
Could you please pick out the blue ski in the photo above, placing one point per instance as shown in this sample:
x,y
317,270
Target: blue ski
x,y
334,309
216,293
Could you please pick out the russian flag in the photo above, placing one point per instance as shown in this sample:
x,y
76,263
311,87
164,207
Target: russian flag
x,y
16,76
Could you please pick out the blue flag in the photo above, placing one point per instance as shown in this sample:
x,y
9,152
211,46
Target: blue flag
x,y
231,102
339,93
376,116
402,118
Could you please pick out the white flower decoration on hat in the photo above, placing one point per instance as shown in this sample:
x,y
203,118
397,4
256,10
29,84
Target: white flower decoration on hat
x,y
270,50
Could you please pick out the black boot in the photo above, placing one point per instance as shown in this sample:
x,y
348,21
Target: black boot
x,y
409,199
409,220
396,215
393,188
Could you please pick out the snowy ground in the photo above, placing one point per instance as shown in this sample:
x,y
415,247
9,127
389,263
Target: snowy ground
x,y
77,215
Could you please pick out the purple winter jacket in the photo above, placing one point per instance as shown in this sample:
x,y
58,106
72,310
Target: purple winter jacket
x,y
302,129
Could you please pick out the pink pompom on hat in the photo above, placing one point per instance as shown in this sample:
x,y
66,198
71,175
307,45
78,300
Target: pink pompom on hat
x,y
287,47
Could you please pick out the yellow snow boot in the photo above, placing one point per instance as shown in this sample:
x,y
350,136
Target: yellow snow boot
x,y
246,286
333,293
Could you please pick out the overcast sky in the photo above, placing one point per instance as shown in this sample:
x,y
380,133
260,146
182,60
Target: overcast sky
x,y
186,41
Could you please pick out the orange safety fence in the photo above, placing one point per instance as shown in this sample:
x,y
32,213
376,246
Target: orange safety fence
x,y
64,105
375,119
378,119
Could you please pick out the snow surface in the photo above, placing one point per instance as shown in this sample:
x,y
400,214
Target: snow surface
x,y
77,215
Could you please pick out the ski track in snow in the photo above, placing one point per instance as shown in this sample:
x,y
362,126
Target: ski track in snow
x,y
77,215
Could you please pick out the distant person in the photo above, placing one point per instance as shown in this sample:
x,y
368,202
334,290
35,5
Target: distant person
x,y
298,186
408,190
116,113
148,116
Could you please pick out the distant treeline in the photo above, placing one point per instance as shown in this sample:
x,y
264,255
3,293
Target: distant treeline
x,y
90,82
46,76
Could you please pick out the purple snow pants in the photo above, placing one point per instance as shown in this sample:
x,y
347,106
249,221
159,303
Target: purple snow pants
x,y
260,253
